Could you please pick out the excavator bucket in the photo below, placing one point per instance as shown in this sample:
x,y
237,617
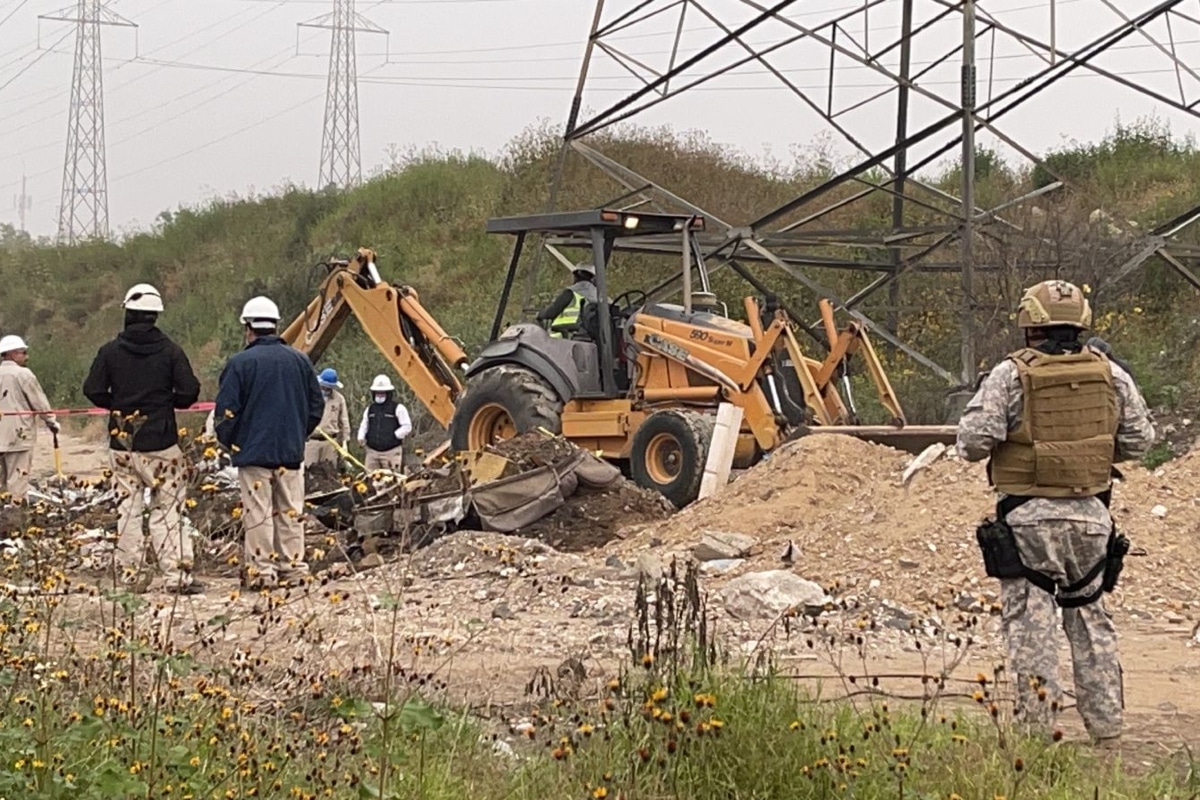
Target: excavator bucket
x,y
482,466
911,438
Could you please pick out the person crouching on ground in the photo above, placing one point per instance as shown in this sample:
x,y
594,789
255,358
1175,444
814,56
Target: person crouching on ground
x,y
267,405
384,425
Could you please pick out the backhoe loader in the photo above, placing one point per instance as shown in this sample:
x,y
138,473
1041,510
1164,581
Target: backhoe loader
x,y
639,382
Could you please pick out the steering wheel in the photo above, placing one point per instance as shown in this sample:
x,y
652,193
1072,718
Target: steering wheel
x,y
627,308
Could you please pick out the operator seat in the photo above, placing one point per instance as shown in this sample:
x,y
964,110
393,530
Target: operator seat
x,y
589,323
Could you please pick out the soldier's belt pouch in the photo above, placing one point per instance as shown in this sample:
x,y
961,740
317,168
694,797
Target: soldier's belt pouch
x,y
1001,558
1118,547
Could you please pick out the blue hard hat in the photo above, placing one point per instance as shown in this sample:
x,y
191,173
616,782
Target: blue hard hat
x,y
328,377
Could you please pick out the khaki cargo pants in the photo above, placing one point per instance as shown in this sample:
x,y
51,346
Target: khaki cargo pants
x,y
162,472
15,467
385,459
272,507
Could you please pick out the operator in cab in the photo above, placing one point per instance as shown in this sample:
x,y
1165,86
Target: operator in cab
x,y
1051,419
563,315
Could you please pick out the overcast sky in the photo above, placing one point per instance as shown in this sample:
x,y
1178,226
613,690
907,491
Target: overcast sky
x,y
211,97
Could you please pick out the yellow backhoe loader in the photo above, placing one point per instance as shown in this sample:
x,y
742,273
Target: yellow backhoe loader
x,y
638,381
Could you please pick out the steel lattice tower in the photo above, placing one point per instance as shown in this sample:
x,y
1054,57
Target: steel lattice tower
x,y
341,165
83,213
921,57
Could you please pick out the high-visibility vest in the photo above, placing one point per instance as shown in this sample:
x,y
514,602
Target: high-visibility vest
x,y
568,319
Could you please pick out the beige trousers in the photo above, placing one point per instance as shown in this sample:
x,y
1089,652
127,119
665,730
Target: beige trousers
x,y
316,452
272,504
15,467
385,459
162,472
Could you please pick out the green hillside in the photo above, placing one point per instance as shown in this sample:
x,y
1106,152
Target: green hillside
x,y
425,217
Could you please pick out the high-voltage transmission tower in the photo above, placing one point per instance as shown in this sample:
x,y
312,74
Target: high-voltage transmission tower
x,y
83,213
898,86
341,165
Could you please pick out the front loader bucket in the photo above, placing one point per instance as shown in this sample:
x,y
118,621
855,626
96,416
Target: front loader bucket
x,y
911,438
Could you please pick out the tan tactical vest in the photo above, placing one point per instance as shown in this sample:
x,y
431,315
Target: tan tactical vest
x,y
1066,440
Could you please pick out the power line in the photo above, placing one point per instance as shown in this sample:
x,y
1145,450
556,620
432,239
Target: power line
x,y
121,63
10,14
30,65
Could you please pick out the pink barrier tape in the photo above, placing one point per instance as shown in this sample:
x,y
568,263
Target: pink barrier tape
x,y
61,412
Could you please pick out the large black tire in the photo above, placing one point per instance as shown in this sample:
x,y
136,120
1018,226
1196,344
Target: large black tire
x,y
501,402
668,454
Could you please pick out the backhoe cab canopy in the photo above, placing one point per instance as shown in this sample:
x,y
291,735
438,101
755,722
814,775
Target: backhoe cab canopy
x,y
599,229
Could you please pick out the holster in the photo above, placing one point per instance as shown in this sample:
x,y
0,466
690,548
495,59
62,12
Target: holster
x,y
1118,548
1001,558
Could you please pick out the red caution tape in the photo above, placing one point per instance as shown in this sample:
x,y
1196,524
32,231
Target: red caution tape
x,y
63,412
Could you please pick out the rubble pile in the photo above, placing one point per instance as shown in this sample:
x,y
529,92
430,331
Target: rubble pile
x,y
591,518
835,509
535,450
593,511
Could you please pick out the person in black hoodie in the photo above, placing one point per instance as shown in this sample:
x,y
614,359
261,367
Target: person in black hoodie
x,y
141,377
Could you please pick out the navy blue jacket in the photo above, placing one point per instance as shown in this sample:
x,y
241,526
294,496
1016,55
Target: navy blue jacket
x,y
268,403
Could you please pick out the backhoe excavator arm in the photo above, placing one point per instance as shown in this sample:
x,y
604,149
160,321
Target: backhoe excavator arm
x,y
423,355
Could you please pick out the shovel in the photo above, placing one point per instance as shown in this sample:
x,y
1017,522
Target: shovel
x,y
58,473
343,452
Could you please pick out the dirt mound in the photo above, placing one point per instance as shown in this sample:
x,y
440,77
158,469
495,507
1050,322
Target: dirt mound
x,y
535,449
841,502
1160,512
591,518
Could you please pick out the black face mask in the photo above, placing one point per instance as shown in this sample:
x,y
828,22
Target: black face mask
x,y
140,317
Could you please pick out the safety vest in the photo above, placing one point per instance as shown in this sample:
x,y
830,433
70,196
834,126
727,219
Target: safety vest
x,y
1065,443
568,319
382,423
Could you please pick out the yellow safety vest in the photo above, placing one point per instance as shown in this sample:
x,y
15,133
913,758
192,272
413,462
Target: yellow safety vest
x,y
568,319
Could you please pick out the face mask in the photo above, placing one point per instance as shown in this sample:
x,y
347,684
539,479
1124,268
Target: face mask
x,y
327,391
380,398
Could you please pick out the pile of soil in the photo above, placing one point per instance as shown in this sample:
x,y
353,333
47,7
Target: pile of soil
x,y
530,450
841,502
591,518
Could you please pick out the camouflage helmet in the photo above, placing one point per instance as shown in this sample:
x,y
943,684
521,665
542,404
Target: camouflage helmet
x,y
1054,302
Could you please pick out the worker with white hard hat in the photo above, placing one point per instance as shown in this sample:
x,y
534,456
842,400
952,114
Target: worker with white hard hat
x,y
142,377
335,424
268,404
21,400
385,423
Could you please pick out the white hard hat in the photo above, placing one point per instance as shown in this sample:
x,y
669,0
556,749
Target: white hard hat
x,y
10,343
382,383
260,312
584,266
143,297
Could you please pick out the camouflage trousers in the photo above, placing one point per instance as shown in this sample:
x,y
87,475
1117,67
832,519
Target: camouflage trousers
x,y
1065,550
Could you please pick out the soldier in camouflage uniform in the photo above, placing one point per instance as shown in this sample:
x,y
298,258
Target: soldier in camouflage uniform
x,y
1052,458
